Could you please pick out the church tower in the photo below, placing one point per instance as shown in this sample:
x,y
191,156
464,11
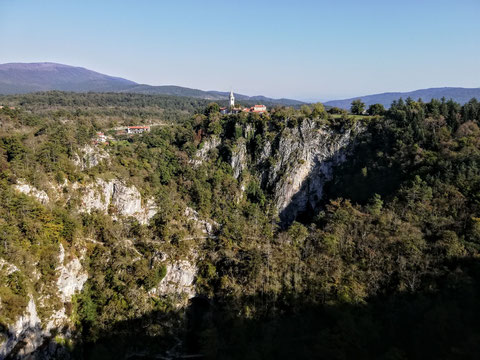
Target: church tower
x,y
232,100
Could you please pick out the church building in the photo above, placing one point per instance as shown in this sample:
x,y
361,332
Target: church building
x,y
231,109
232,100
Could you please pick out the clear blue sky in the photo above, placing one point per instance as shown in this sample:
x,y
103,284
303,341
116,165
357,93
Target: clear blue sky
x,y
301,49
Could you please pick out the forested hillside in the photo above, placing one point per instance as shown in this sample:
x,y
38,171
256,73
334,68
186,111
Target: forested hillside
x,y
458,94
295,234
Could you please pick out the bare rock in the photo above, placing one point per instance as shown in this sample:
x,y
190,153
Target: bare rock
x,y
239,158
72,276
115,195
202,154
26,330
30,190
178,282
90,156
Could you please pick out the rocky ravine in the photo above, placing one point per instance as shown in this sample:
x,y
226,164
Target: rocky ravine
x,y
29,331
303,163
114,197
294,166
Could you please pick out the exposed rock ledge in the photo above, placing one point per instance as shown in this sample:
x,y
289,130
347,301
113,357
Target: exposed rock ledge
x,y
117,197
238,160
29,331
26,329
72,276
303,163
178,281
30,190
208,145
90,156
206,227
8,267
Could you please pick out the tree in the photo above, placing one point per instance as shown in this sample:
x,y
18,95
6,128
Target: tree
x,y
212,108
358,107
376,109
319,111
306,110
335,110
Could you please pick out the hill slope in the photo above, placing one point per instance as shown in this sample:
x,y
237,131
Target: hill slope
x,y
460,95
25,78
20,78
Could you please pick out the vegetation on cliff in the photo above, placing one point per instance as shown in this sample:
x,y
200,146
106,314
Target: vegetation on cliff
x,y
385,267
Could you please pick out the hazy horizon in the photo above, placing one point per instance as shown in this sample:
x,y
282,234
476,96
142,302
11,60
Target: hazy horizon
x,y
315,51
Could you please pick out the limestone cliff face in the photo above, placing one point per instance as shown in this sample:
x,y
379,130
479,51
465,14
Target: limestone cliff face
x,y
30,190
117,197
113,196
90,156
205,227
29,331
301,165
239,158
178,284
71,277
293,165
202,154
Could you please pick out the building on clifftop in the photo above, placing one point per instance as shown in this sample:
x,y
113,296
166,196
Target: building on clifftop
x,y
231,109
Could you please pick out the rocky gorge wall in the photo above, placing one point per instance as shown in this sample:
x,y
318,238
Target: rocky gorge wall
x,y
31,331
294,165
44,332
302,164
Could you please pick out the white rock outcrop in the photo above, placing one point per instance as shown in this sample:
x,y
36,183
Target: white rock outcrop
x,y
30,190
302,164
90,156
127,201
117,197
204,226
95,196
178,282
26,329
7,267
202,154
29,330
71,277
238,160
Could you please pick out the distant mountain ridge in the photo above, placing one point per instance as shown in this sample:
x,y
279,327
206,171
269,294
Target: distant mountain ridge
x,y
458,94
20,78
24,78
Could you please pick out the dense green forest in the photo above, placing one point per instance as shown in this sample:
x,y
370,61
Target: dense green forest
x,y
111,106
386,266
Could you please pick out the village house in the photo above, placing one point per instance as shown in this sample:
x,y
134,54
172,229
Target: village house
x,y
260,109
137,129
100,138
